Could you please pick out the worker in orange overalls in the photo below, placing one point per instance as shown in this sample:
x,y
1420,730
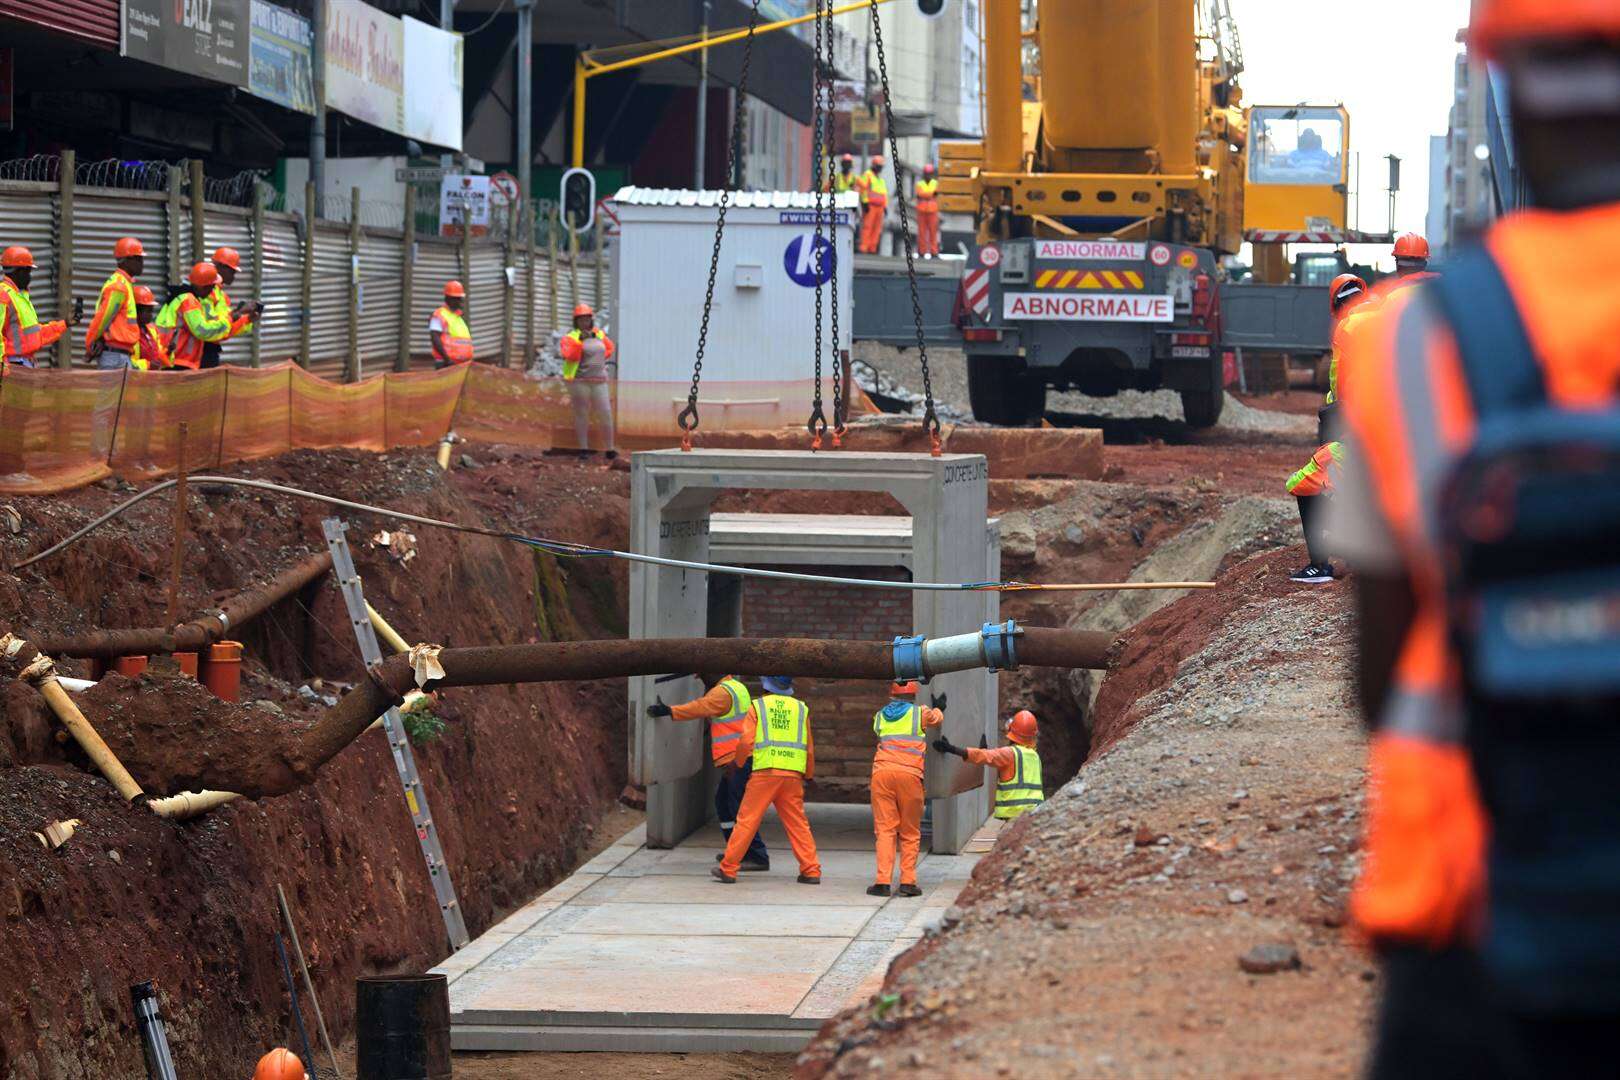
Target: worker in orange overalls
x,y
776,738
150,352
1312,485
110,341
447,328
875,198
928,213
1483,408
22,335
1017,765
195,325
228,263
897,785
725,706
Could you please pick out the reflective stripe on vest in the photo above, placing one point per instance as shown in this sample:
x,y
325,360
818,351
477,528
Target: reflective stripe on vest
x,y
1023,792
457,339
726,731
877,189
187,349
902,735
781,734
927,192
22,324
122,332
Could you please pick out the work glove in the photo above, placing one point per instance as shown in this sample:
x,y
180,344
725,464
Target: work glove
x,y
658,709
937,701
945,746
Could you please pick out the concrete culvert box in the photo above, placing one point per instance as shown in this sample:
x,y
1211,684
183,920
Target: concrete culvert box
x,y
759,363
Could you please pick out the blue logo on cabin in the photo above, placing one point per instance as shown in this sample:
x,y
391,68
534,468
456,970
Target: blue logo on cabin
x,y
809,260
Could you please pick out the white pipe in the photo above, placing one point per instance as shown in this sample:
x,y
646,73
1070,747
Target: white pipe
x,y
77,686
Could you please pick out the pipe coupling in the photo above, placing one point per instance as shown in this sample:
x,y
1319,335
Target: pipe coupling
x,y
993,647
908,659
1001,645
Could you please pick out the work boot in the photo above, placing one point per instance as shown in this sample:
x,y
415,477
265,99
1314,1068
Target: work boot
x,y
907,889
755,865
877,890
1315,574
722,877
805,879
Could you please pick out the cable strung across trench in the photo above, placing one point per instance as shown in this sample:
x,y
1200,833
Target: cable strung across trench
x,y
571,550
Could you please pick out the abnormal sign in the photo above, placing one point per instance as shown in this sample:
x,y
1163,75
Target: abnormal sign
x,y
1117,250
280,66
207,38
1082,307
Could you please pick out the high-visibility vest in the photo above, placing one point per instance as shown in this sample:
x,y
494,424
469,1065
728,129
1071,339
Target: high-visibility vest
x,y
167,318
876,188
572,357
1023,792
150,350
122,333
900,740
844,181
726,731
927,195
781,733
458,345
186,350
22,331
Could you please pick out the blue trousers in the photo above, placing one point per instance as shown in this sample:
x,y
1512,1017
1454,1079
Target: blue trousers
x,y
728,797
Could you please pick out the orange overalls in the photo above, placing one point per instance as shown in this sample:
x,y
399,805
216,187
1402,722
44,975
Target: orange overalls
x,y
782,788
897,785
928,217
875,197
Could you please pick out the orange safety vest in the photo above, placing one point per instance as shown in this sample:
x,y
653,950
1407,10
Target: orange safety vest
x,y
187,349
900,738
726,731
927,196
23,334
457,339
1425,871
122,332
874,189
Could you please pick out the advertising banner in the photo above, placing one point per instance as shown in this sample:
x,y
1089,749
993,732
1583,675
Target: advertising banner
x,y
208,38
433,91
280,68
365,64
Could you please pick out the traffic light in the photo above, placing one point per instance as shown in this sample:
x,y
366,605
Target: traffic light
x,y
931,9
578,199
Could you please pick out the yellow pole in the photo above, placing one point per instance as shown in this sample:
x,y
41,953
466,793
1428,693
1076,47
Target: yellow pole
x,y
1003,87
587,68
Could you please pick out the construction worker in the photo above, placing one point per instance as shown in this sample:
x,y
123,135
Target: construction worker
x,y
897,785
587,353
1312,485
447,329
1483,408
227,262
776,738
725,706
844,179
1411,262
875,199
927,190
151,353
110,341
195,324
1018,765
22,335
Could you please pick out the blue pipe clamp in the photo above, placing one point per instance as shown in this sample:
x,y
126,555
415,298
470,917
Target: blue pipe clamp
x,y
1000,645
908,659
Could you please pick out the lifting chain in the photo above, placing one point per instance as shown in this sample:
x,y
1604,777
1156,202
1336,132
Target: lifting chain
x,y
840,405
688,418
930,417
817,424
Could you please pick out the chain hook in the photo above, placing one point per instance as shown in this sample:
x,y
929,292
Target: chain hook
x,y
688,422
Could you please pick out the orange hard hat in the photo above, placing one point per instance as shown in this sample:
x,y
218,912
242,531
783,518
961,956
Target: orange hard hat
x,y
279,1064
17,258
903,689
582,310
1411,246
203,274
1499,23
144,297
848,159
455,288
1346,289
928,169
227,256
128,248
1022,727
877,161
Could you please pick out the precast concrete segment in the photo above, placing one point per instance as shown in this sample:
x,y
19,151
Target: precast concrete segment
x,y
197,634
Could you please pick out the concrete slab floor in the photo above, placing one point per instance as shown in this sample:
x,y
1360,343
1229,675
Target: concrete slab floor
x,y
639,950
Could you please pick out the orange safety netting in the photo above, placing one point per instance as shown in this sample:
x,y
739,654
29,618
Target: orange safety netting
x,y
64,429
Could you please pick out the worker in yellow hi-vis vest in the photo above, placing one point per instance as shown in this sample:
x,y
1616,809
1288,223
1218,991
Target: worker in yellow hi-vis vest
x,y
777,739
588,365
928,213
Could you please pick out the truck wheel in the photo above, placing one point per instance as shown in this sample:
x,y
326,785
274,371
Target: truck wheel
x,y
1202,407
1002,394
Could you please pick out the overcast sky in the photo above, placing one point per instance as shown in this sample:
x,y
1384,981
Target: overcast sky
x,y
1388,61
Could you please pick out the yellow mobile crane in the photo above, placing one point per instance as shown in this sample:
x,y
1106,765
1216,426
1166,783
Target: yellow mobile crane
x,y
1113,175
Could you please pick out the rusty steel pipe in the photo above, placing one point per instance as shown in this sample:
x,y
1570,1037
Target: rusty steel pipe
x,y
570,661
197,634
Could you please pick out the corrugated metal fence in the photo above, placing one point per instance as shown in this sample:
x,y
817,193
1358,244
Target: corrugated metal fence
x,y
273,267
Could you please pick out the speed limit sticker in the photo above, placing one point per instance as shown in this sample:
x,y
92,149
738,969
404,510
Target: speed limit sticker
x,y
990,255
1159,255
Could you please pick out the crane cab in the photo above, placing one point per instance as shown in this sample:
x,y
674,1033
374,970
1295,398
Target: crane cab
x,y
1298,174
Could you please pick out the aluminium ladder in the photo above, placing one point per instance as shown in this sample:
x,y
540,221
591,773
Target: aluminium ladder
x,y
398,741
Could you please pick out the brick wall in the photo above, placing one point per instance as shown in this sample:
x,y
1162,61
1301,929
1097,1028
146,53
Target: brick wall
x,y
840,710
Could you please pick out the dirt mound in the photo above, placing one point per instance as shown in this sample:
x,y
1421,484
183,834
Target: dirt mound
x,y
516,780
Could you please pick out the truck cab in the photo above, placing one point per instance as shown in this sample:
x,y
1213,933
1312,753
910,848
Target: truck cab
x,y
1097,316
